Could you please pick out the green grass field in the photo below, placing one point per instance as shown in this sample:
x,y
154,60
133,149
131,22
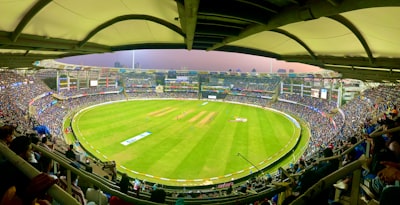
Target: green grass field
x,y
185,142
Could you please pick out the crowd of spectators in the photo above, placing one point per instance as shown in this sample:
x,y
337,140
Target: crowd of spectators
x,y
329,128
86,91
240,83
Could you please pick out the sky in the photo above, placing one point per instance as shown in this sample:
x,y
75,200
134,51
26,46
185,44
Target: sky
x,y
187,60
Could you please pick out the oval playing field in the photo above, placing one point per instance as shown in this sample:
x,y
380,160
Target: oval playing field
x,y
185,142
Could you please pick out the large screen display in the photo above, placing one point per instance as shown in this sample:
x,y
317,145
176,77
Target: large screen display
x,y
94,83
324,93
314,93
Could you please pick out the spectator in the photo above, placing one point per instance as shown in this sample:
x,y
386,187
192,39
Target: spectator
x,y
124,183
389,175
45,162
394,112
77,192
96,195
6,136
380,153
114,200
70,154
35,141
312,176
19,188
229,190
137,186
394,145
158,196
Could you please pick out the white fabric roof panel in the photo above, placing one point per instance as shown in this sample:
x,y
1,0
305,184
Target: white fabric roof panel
x,y
327,37
271,41
11,13
4,51
136,31
380,27
73,20
330,34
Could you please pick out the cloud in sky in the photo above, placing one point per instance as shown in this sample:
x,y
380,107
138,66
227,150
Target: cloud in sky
x,y
188,60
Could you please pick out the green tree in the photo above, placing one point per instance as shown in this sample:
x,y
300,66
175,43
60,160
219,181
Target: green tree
x,y
51,82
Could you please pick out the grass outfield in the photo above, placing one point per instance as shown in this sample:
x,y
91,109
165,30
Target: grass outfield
x,y
185,142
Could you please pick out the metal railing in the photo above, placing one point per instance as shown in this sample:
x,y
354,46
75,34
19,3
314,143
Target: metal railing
x,y
328,181
64,198
108,187
103,184
353,167
55,191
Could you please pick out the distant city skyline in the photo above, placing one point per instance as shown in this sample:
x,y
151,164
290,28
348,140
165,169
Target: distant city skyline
x,y
188,60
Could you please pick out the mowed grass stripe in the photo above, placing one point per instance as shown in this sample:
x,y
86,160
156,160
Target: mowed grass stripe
x,y
273,133
256,142
197,157
178,148
223,156
198,152
104,121
265,129
120,128
177,153
108,112
168,144
285,133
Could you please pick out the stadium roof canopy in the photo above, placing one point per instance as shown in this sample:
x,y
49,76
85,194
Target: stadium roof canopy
x,y
360,39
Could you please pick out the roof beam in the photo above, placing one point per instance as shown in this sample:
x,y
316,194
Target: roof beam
x,y
27,18
219,24
257,4
221,19
129,17
250,51
216,30
246,11
149,46
379,62
342,20
363,74
190,20
297,39
21,60
311,10
32,42
181,13
335,2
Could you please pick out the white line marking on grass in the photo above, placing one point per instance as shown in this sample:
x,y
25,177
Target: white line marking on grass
x,y
135,138
228,175
148,175
105,157
141,136
97,151
122,167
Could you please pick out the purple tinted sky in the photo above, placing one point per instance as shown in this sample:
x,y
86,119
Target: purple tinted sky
x,y
188,60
